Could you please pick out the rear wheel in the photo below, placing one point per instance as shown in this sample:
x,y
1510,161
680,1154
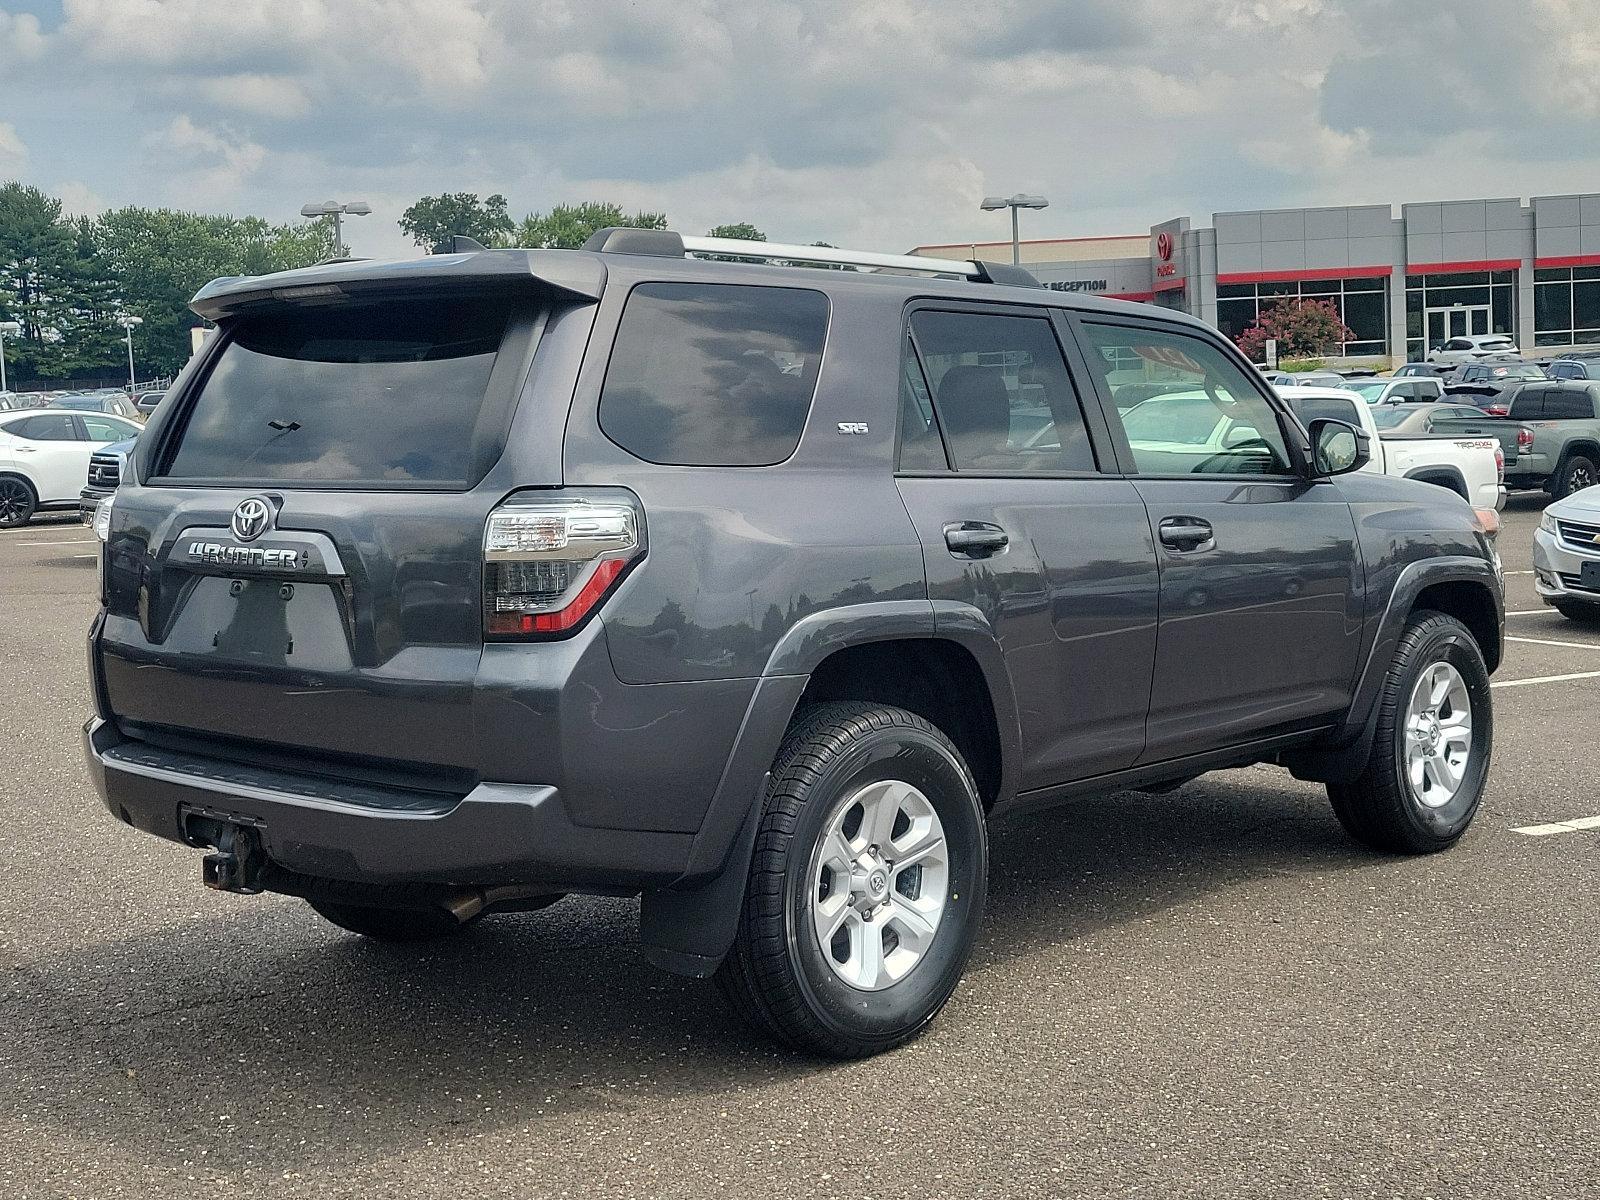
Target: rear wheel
x,y
17,501
392,924
1575,474
1430,753
866,887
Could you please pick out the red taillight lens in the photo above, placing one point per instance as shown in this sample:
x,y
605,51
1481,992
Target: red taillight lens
x,y
549,560
1500,464
1524,440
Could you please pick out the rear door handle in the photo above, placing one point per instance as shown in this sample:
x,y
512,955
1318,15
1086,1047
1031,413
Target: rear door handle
x,y
975,539
1187,533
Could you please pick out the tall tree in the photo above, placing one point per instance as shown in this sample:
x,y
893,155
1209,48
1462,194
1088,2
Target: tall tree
x,y
568,226
36,271
158,258
433,219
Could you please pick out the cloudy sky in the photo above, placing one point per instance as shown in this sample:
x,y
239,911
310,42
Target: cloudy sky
x,y
871,123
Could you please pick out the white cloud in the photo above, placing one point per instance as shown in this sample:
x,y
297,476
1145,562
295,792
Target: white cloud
x,y
13,153
206,165
275,96
78,199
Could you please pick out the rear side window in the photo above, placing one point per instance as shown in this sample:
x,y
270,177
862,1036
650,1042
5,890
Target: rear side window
x,y
713,375
46,427
1002,393
1313,408
1567,404
379,394
1528,404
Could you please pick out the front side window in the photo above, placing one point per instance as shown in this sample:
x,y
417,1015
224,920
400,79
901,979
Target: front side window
x,y
713,375
1218,423
384,393
1000,386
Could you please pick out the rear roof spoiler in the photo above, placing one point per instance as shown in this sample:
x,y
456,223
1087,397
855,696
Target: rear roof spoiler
x,y
664,243
580,276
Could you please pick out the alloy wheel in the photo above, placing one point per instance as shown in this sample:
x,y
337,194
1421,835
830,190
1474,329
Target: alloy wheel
x,y
1438,735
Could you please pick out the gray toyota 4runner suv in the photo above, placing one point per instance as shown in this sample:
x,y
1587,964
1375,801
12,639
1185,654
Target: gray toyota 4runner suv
x,y
448,587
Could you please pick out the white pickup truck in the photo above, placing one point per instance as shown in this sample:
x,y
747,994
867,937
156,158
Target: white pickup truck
x,y
1472,467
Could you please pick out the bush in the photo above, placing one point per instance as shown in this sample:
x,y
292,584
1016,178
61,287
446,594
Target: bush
x,y
1303,328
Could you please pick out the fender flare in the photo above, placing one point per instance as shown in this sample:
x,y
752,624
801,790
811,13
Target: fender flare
x,y
1437,473
1345,754
688,928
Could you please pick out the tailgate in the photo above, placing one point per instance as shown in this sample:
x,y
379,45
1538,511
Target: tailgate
x,y
295,565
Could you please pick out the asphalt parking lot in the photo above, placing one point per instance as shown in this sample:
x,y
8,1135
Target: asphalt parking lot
x,y
1207,993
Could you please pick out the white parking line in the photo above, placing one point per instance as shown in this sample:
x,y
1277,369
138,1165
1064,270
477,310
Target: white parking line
x,y
1505,683
1572,826
73,542
1516,572
1548,642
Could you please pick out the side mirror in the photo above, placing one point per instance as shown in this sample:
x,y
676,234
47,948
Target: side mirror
x,y
1337,447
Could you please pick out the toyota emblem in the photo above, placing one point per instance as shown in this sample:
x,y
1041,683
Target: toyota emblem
x,y
1164,246
251,519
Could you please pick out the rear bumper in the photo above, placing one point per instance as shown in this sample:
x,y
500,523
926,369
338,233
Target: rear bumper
x,y
497,834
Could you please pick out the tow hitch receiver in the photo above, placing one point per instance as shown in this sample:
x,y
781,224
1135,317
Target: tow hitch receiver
x,y
238,861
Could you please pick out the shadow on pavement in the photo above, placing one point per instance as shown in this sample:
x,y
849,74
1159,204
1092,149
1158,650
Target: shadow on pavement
x,y
213,1032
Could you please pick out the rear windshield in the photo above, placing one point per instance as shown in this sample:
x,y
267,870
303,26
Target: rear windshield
x,y
392,393
1315,408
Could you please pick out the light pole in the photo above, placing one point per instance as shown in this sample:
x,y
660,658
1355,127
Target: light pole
x,y
1020,200
332,208
13,328
129,323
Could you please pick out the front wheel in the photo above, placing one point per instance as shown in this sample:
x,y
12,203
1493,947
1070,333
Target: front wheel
x,y
17,502
1430,752
866,887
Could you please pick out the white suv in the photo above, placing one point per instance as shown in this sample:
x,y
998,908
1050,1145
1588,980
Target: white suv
x,y
44,458
1473,347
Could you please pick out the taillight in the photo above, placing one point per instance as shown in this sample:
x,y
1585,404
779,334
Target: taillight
x,y
1524,439
549,560
1499,464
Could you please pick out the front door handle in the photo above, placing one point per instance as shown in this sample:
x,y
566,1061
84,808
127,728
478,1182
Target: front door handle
x,y
975,539
1187,533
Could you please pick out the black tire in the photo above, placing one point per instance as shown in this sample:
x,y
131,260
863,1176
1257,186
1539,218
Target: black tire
x,y
1577,473
18,501
1379,808
776,975
1579,611
392,924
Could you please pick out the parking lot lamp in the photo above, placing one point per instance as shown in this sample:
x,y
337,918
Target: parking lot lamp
x,y
336,210
13,328
128,323
1020,200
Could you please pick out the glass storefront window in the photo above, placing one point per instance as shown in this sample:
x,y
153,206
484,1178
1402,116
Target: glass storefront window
x,y
1566,306
1363,305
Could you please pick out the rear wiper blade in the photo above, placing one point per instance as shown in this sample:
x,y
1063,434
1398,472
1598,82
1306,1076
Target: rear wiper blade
x,y
283,426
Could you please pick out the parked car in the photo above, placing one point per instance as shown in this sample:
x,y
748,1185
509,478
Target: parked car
x,y
1474,347
44,458
1573,368
1566,556
115,403
106,465
1471,467
1409,420
146,402
664,603
1406,390
1306,379
1491,385
1564,456
1421,370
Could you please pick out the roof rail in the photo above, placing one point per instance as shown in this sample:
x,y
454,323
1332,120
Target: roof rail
x,y
665,243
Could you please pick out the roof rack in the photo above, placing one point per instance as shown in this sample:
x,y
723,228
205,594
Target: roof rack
x,y
667,244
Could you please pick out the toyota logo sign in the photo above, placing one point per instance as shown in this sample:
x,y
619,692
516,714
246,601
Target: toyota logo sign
x,y
251,519
1164,246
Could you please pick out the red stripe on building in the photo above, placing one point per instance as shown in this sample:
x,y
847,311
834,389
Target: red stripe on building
x,y
1454,268
1295,276
1169,285
1570,260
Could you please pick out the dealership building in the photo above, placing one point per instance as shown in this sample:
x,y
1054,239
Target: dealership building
x,y
1401,283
